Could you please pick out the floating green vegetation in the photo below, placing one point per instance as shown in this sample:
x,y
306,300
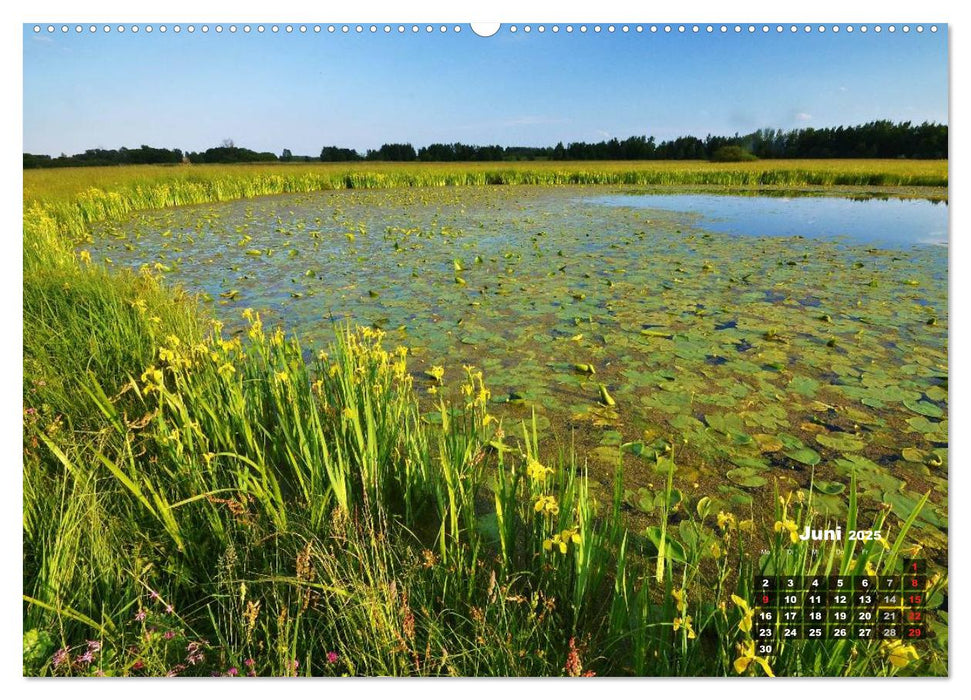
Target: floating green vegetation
x,y
760,358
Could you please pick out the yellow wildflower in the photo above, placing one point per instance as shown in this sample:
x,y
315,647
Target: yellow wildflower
x,y
746,655
899,654
281,376
226,370
726,521
139,305
686,623
85,257
562,540
914,551
256,329
536,471
790,526
747,613
153,379
437,372
547,505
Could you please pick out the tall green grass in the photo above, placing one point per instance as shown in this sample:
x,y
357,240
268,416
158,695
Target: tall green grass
x,y
198,504
76,197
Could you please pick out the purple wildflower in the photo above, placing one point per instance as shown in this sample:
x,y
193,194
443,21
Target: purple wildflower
x,y
61,656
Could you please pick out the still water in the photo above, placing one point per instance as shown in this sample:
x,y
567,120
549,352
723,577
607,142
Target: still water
x,y
883,222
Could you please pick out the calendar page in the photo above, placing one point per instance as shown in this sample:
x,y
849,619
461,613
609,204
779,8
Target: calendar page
x,y
515,349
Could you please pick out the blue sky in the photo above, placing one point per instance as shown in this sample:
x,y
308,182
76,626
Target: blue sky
x,y
270,92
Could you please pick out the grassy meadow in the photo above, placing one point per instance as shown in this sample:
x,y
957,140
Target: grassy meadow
x,y
204,503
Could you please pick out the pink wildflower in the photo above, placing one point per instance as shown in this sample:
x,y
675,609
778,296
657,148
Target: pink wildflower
x,y
61,656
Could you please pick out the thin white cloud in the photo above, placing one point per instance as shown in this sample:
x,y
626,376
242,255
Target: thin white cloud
x,y
803,117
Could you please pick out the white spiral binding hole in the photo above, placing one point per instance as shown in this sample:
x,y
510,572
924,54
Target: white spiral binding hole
x,y
486,30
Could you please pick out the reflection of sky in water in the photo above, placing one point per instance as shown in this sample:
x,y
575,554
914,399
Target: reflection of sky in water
x,y
891,223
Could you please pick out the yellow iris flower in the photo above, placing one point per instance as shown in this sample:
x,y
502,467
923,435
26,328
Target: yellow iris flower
x,y
746,655
898,653
747,613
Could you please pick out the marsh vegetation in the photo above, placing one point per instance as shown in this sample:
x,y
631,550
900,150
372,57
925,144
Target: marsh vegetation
x,y
414,429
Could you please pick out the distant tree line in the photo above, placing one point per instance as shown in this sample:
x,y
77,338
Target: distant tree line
x,y
878,139
100,156
231,154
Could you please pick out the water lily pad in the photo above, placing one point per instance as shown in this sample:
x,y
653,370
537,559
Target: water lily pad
x,y
806,386
841,442
903,504
606,454
912,454
768,443
924,408
747,477
830,488
804,455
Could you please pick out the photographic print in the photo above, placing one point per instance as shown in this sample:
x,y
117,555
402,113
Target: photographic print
x,y
514,350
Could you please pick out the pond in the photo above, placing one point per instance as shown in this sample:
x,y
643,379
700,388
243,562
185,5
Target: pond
x,y
754,360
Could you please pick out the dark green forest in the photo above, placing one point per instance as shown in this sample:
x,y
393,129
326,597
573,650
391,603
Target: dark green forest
x,y
878,139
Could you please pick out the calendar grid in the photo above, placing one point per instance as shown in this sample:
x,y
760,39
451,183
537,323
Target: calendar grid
x,y
886,607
